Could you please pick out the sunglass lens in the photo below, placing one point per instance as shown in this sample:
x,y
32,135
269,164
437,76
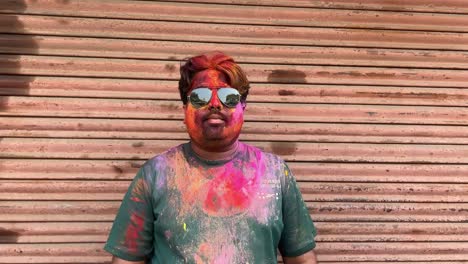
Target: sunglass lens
x,y
230,97
200,97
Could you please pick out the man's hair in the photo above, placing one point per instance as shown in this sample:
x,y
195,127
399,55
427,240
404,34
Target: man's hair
x,y
216,61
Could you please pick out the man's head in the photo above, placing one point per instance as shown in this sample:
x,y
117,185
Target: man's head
x,y
214,90
216,61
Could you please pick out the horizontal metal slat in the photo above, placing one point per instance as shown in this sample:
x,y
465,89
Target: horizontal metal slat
x,y
165,30
238,14
63,190
386,262
272,112
56,232
146,69
433,6
319,191
383,192
54,253
68,169
144,149
439,251
259,92
88,87
412,251
345,172
18,169
389,231
170,50
77,258
175,129
388,212
34,211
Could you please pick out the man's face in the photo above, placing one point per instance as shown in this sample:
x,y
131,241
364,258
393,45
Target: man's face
x,y
213,126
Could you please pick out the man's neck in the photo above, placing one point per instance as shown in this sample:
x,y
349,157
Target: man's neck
x,y
223,154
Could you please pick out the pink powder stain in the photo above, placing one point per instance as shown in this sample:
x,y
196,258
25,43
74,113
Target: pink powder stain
x,y
132,233
226,256
136,199
215,253
168,234
236,188
228,193
260,209
233,190
204,253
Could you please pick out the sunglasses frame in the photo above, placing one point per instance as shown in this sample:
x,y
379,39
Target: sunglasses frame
x,y
211,96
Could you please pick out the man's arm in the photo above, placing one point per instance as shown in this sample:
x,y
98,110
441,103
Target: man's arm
x,y
307,258
116,260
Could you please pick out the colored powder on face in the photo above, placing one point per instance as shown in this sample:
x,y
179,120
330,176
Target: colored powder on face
x,y
193,123
234,127
231,130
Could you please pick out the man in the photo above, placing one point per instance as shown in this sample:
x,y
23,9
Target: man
x,y
213,199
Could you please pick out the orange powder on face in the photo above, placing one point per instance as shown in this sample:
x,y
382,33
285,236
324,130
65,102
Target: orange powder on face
x,y
230,132
194,129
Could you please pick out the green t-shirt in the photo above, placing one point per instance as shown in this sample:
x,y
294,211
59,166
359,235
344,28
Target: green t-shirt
x,y
183,209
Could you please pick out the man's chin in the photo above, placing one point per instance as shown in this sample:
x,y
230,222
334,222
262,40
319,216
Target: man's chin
x,y
215,141
214,133
214,138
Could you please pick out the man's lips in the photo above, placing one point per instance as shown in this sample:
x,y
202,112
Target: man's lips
x,y
214,119
214,116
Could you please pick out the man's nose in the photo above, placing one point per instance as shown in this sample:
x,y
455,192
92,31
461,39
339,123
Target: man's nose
x,y
214,101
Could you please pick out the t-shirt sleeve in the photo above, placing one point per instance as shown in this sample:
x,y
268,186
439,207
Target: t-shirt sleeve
x,y
298,236
131,236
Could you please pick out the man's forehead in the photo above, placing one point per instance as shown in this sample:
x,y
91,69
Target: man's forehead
x,y
209,78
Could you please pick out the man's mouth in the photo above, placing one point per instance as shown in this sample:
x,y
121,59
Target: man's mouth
x,y
215,119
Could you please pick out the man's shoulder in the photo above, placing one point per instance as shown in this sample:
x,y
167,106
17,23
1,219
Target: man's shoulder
x,y
167,156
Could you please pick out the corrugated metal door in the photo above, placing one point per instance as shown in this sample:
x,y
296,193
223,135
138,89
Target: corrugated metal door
x,y
366,99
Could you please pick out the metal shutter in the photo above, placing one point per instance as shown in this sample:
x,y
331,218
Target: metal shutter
x,y
366,99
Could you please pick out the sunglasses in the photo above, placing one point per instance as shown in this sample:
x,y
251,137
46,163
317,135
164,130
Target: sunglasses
x,y
201,97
